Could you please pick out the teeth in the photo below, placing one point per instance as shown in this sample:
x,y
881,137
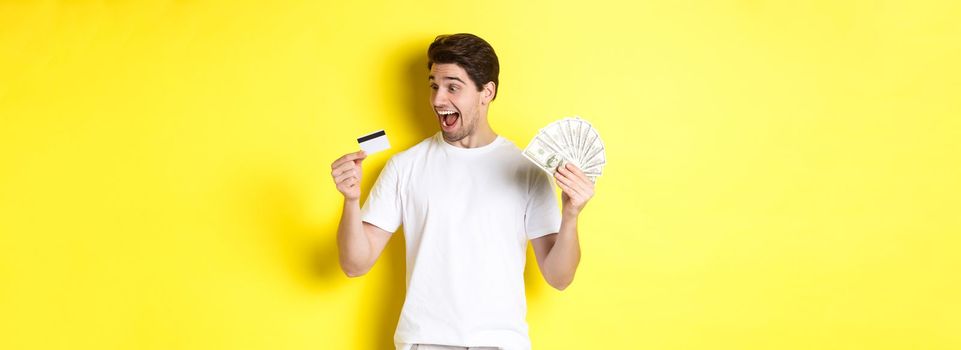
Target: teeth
x,y
445,112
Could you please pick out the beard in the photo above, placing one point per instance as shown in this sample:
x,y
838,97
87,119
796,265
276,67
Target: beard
x,y
459,134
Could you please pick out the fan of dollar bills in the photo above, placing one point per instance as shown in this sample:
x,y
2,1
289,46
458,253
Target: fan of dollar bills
x,y
571,140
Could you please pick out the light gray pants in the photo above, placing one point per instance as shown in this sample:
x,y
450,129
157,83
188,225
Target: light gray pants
x,y
447,347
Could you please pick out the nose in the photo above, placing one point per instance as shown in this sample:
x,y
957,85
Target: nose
x,y
437,98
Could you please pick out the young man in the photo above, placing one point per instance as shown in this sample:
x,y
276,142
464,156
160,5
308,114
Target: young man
x,y
469,202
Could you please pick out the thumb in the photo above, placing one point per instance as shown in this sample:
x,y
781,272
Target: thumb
x,y
361,155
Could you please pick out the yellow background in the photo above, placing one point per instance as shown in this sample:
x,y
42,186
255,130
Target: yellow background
x,y
782,175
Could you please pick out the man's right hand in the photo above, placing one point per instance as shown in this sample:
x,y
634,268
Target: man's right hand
x,y
346,172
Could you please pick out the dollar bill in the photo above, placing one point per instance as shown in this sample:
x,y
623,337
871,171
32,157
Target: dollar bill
x,y
570,140
544,155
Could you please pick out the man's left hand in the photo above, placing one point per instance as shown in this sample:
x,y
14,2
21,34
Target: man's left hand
x,y
576,188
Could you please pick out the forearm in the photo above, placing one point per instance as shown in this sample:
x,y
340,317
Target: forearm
x,y
352,242
561,263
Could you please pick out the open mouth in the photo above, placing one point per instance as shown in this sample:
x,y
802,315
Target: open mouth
x,y
448,118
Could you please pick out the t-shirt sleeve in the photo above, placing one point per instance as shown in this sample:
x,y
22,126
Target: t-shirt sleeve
x,y
543,215
382,207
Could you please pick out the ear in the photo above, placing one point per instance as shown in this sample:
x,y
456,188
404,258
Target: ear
x,y
487,94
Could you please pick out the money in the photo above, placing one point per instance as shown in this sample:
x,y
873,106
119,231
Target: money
x,y
569,140
543,155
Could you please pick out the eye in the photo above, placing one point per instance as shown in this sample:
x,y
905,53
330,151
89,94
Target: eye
x,y
453,88
433,86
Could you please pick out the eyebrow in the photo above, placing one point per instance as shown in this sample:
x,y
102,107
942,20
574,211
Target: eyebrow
x,y
448,78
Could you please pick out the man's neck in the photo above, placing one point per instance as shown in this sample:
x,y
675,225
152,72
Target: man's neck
x,y
482,136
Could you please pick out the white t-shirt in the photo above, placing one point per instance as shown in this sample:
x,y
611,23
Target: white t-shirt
x,y
467,215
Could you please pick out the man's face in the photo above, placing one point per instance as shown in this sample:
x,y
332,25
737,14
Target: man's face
x,y
456,101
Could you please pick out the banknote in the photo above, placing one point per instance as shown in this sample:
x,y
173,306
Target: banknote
x,y
569,140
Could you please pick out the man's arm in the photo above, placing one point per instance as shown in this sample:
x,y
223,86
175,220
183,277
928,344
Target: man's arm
x,y
359,243
558,254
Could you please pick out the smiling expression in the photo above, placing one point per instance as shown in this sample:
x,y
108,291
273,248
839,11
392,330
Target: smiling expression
x,y
456,101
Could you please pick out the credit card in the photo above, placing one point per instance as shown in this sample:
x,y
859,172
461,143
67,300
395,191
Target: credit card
x,y
374,142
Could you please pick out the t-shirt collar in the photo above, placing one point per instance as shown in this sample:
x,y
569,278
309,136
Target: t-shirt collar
x,y
439,137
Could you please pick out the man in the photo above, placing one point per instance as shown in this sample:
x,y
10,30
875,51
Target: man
x,y
469,202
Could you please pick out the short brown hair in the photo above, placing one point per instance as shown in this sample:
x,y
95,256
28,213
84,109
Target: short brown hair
x,y
469,52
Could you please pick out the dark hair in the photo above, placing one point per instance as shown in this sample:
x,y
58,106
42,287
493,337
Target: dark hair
x,y
471,53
